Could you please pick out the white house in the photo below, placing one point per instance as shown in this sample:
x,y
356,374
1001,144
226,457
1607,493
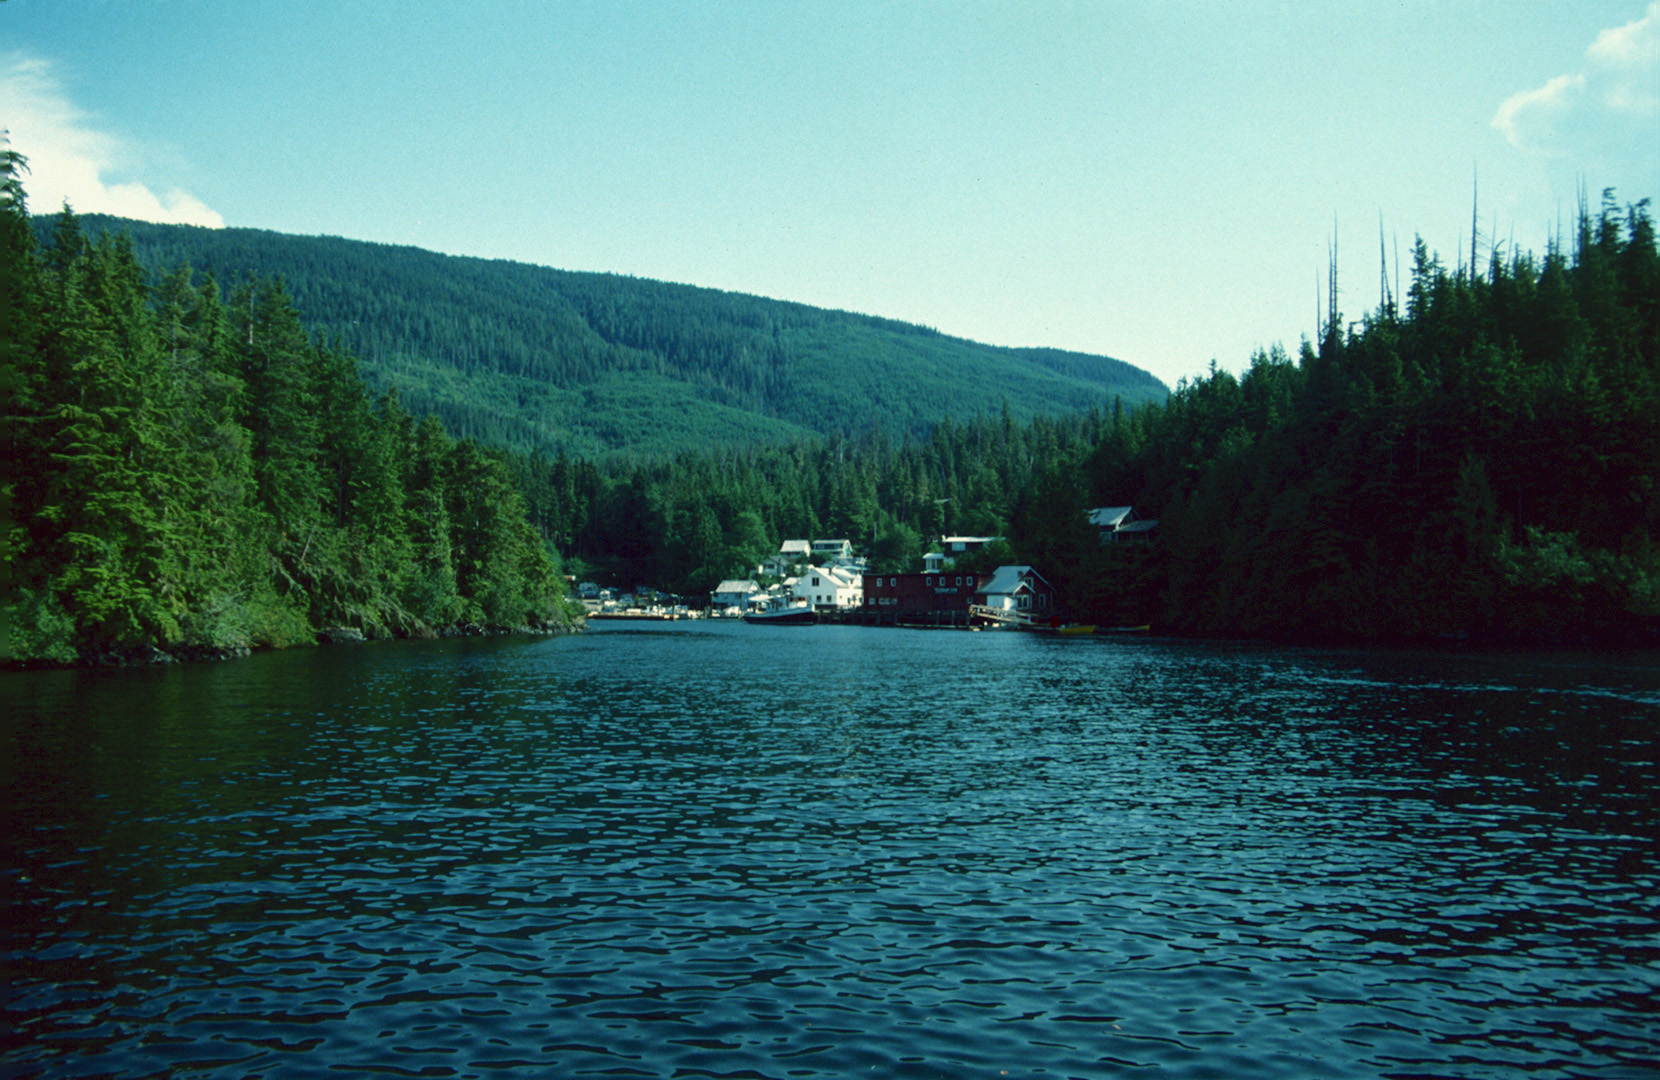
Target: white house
x,y
1018,589
833,549
829,587
957,545
791,554
735,594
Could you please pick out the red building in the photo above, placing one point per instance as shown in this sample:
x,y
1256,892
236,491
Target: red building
x,y
920,594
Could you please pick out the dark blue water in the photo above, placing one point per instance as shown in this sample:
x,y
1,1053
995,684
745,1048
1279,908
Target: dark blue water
x,y
716,850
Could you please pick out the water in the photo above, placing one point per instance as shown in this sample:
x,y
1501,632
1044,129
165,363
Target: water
x,y
719,850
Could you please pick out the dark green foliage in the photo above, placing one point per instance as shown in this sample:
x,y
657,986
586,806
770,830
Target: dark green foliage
x,y
1484,462
186,476
686,521
533,359
1479,459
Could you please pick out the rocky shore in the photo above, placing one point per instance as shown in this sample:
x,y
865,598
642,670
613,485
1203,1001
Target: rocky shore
x,y
148,655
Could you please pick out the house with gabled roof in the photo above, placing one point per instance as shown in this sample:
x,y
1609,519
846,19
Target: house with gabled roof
x,y
1108,518
829,587
1017,590
1119,525
735,594
1136,532
791,555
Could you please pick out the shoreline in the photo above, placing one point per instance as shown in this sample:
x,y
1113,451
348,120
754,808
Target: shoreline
x,y
133,656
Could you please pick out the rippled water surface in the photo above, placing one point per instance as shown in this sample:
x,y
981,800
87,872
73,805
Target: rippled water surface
x,y
730,851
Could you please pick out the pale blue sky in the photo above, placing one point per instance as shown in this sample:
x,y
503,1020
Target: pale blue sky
x,y
1154,181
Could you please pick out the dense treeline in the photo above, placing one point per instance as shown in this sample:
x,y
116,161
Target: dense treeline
x,y
685,521
535,359
1479,457
203,477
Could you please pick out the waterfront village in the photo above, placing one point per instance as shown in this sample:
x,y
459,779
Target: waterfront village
x,y
825,581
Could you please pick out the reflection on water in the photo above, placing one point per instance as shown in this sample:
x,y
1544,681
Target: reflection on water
x,y
722,850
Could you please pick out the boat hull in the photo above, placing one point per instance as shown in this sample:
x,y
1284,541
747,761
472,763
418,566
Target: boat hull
x,y
792,617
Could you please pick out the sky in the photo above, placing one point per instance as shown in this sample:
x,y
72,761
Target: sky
x,y
1159,182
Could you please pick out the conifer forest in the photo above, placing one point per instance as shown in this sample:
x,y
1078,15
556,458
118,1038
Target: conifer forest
x,y
192,472
193,467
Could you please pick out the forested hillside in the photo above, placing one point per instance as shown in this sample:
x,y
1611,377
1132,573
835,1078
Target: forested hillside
x,y
532,358
1479,458
202,477
686,521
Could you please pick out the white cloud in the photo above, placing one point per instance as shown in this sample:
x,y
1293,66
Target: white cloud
x,y
1634,46
1529,119
1619,85
69,159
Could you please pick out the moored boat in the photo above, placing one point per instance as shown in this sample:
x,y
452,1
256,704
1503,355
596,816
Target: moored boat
x,y
635,613
800,615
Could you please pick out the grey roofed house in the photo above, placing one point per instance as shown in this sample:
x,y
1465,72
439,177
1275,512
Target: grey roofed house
x,y
1007,580
801,548
1017,588
1111,517
734,593
1135,532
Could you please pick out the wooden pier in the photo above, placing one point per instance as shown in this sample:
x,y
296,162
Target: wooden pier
x,y
915,620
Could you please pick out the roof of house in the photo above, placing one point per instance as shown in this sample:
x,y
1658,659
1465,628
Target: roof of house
x,y
1110,517
795,547
1147,525
1008,580
737,586
835,575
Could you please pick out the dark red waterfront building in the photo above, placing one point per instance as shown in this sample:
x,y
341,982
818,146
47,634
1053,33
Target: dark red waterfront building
x,y
918,594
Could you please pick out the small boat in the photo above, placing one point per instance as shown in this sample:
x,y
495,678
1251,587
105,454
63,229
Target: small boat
x,y
800,615
635,613
1057,627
